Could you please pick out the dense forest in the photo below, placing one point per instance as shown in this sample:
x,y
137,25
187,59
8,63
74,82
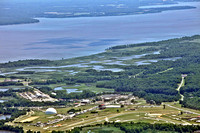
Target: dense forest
x,y
157,81
14,114
191,90
22,63
136,128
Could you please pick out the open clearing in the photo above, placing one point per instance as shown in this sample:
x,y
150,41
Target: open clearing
x,y
29,119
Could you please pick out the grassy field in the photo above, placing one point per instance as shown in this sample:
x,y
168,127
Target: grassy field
x,y
147,113
82,87
3,79
92,88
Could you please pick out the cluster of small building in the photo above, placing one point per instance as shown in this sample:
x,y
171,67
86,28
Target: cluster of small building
x,y
105,101
195,119
117,99
11,80
103,106
37,96
52,111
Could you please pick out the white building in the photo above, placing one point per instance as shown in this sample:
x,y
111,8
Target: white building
x,y
85,101
113,106
50,111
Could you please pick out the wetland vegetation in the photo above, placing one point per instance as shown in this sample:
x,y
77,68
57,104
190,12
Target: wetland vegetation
x,y
156,82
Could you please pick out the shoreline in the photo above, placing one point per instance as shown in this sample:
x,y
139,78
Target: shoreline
x,y
126,14
54,39
70,58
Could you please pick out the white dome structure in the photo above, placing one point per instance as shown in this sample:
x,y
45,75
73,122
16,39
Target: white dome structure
x,y
50,111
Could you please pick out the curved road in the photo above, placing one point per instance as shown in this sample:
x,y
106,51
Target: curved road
x,y
179,87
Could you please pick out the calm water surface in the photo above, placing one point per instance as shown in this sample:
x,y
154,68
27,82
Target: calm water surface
x,y
3,90
2,101
70,90
4,131
3,117
71,37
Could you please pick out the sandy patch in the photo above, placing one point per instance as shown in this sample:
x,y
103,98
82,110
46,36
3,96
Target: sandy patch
x,y
29,119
